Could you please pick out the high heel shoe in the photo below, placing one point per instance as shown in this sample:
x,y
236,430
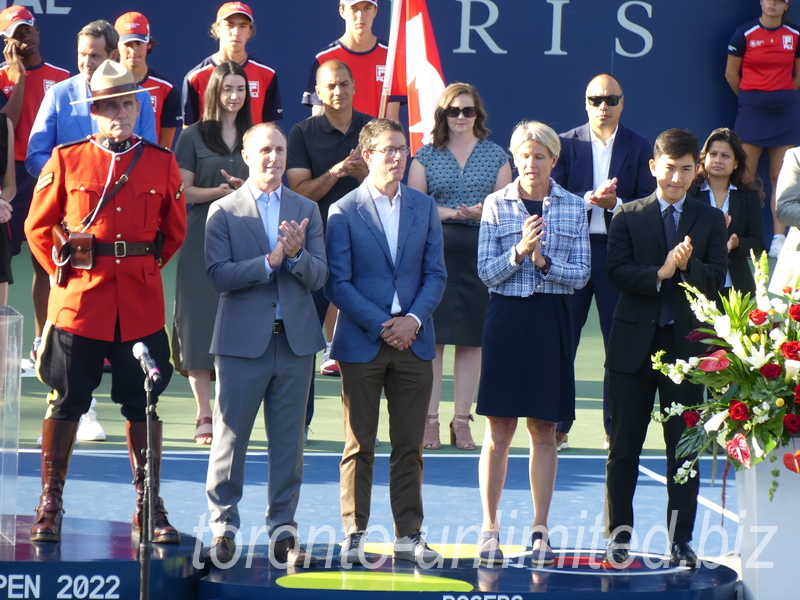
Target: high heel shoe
x,y
489,550
430,440
460,435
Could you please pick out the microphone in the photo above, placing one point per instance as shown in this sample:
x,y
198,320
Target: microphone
x,y
149,367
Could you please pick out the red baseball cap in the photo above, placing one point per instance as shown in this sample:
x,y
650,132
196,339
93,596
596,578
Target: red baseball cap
x,y
234,8
13,17
133,26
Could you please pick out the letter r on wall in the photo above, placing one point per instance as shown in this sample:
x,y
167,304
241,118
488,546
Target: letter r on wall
x,y
466,27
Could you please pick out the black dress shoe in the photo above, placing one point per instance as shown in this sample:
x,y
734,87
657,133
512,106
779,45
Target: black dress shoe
x,y
616,554
682,555
288,552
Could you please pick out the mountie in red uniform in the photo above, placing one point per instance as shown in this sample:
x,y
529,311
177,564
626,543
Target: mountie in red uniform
x,y
102,311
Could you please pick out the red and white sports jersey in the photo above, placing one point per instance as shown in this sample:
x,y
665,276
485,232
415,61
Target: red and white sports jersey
x,y
265,96
37,82
768,56
368,70
166,100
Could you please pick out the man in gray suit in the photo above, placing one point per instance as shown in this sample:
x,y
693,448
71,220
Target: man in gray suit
x,y
265,255
387,275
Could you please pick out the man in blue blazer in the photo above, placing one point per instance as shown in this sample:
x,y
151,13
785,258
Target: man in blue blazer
x,y
387,275
606,164
60,120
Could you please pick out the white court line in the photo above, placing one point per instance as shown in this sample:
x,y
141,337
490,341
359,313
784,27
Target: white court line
x,y
700,499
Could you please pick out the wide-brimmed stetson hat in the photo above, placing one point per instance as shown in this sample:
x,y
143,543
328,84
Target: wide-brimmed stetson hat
x,y
111,80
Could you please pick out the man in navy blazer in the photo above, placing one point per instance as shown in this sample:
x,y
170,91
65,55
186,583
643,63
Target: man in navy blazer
x,y
387,275
606,164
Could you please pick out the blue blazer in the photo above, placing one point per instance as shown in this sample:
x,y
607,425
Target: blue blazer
x,y
58,122
630,164
362,277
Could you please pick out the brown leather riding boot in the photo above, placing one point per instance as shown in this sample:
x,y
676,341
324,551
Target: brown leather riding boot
x,y
163,532
58,438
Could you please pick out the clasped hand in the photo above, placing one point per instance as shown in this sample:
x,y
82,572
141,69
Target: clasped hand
x,y
399,332
606,195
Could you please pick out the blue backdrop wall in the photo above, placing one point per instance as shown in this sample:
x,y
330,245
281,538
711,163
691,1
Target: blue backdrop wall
x,y
528,58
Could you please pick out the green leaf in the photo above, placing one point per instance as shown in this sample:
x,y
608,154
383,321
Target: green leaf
x,y
692,440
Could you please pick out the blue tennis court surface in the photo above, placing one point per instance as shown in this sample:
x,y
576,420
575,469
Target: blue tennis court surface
x,y
98,487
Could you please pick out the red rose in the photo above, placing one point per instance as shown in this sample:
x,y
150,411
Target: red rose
x,y
792,423
692,418
758,317
739,411
714,362
771,371
791,350
794,312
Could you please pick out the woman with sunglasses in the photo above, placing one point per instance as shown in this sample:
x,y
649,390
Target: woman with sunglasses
x,y
763,69
459,169
720,182
533,253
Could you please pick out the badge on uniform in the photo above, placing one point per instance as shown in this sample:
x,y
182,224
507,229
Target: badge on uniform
x,y
178,194
45,180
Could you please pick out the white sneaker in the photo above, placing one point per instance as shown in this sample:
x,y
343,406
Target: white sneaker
x,y
89,429
777,245
352,552
413,548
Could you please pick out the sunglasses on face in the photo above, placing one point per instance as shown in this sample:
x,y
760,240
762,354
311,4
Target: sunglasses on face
x,y
467,111
611,100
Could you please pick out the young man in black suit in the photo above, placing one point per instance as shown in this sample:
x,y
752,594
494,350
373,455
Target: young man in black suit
x,y
654,244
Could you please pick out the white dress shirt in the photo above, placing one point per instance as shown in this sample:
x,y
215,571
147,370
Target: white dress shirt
x,y
601,164
389,214
726,208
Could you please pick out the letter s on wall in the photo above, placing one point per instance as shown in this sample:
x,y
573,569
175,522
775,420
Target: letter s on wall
x,y
626,23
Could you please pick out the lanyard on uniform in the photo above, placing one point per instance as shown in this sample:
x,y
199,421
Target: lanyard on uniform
x,y
106,198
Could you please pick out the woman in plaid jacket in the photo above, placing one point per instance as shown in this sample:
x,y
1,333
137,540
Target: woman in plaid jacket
x,y
533,252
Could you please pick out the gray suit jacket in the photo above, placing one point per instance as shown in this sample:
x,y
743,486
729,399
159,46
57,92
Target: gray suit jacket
x,y
236,245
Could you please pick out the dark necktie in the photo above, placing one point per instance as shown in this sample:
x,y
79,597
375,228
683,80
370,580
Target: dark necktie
x,y
665,315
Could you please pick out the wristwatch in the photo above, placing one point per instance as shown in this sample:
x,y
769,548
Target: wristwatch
x,y
546,268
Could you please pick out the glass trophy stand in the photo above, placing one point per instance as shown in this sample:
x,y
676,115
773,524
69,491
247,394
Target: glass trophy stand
x,y
10,386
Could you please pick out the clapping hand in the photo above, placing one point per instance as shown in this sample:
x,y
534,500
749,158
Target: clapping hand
x,y
234,182
465,212
532,232
606,195
292,237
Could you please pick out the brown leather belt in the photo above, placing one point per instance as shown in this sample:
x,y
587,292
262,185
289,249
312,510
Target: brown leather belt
x,y
278,327
123,249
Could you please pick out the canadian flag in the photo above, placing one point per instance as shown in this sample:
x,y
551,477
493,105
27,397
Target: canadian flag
x,y
414,60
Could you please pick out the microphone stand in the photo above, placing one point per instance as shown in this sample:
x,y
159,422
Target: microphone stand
x,y
146,537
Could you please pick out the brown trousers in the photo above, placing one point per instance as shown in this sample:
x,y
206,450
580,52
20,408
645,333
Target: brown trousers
x,y
406,380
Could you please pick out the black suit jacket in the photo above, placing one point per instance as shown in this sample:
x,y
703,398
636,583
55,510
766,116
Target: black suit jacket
x,y
636,251
630,164
744,207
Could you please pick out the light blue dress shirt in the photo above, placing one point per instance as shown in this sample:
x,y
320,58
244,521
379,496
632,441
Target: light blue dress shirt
x,y
269,209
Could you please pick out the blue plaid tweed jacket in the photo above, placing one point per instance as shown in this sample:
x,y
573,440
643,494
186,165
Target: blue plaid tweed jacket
x,y
565,242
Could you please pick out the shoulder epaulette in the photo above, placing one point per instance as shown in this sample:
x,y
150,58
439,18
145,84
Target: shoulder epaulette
x,y
154,145
72,143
